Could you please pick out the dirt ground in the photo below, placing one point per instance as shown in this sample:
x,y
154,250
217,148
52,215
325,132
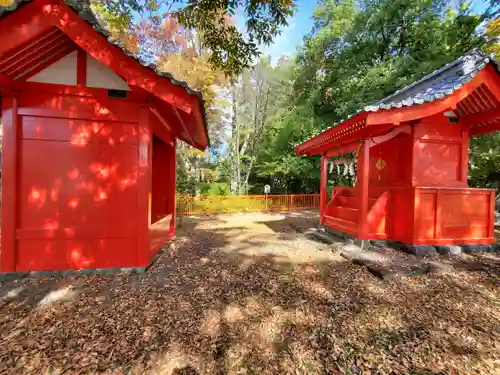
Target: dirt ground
x,y
250,294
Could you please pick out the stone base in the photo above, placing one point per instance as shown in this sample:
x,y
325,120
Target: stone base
x,y
335,233
322,236
419,250
422,250
493,248
364,244
449,249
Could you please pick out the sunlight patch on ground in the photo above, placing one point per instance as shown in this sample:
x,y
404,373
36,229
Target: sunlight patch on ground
x,y
237,356
270,327
67,293
233,314
302,358
176,359
319,290
254,306
211,323
376,289
13,293
247,262
388,319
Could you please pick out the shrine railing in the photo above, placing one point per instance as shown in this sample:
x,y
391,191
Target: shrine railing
x,y
246,203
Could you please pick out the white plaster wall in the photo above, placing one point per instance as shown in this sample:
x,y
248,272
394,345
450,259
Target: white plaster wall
x,y
100,76
62,72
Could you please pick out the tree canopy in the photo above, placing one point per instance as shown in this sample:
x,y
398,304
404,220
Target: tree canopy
x,y
357,52
231,50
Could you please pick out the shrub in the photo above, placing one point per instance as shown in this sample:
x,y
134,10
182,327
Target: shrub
x,y
215,189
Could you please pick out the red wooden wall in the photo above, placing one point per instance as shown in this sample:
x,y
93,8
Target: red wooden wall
x,y
73,165
82,179
160,180
395,156
163,186
421,196
440,153
441,215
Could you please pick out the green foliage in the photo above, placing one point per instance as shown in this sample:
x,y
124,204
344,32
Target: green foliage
x,y
216,189
484,159
231,51
493,35
357,53
208,205
384,45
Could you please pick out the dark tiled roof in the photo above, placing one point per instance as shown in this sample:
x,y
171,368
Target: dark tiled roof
x,y
438,84
82,7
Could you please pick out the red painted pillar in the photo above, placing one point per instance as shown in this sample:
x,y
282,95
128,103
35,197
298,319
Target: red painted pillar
x,y
81,68
491,218
9,184
323,191
144,187
464,170
362,184
172,186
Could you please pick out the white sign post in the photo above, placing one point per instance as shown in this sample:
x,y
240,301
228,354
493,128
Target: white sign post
x,y
267,190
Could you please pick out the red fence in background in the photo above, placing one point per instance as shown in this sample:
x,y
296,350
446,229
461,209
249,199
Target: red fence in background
x,y
246,203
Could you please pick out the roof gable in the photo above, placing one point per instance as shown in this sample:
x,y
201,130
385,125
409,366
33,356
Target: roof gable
x,y
61,72
438,84
27,21
469,85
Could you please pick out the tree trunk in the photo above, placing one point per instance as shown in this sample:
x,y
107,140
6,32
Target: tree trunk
x,y
235,152
259,128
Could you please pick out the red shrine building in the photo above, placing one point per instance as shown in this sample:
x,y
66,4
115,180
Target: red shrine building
x,y
88,146
411,150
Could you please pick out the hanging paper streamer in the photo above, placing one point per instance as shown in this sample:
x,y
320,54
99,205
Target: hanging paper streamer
x,y
331,167
351,169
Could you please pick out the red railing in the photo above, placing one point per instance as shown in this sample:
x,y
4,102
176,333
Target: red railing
x,y
246,203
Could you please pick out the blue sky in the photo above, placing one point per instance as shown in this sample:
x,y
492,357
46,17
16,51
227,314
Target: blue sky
x,y
301,24
298,26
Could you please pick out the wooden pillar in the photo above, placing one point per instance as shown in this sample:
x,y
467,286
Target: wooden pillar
x,y
144,187
362,184
323,191
491,218
9,184
81,68
464,170
172,186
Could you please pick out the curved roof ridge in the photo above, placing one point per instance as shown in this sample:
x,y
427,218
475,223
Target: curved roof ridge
x,y
438,84
84,10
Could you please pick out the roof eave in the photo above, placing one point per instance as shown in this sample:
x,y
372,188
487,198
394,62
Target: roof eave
x,y
120,60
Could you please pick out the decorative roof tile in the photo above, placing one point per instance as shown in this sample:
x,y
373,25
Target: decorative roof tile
x,y
440,83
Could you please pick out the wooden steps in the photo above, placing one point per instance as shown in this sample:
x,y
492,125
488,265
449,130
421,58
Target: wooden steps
x,y
341,225
342,214
346,213
352,202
